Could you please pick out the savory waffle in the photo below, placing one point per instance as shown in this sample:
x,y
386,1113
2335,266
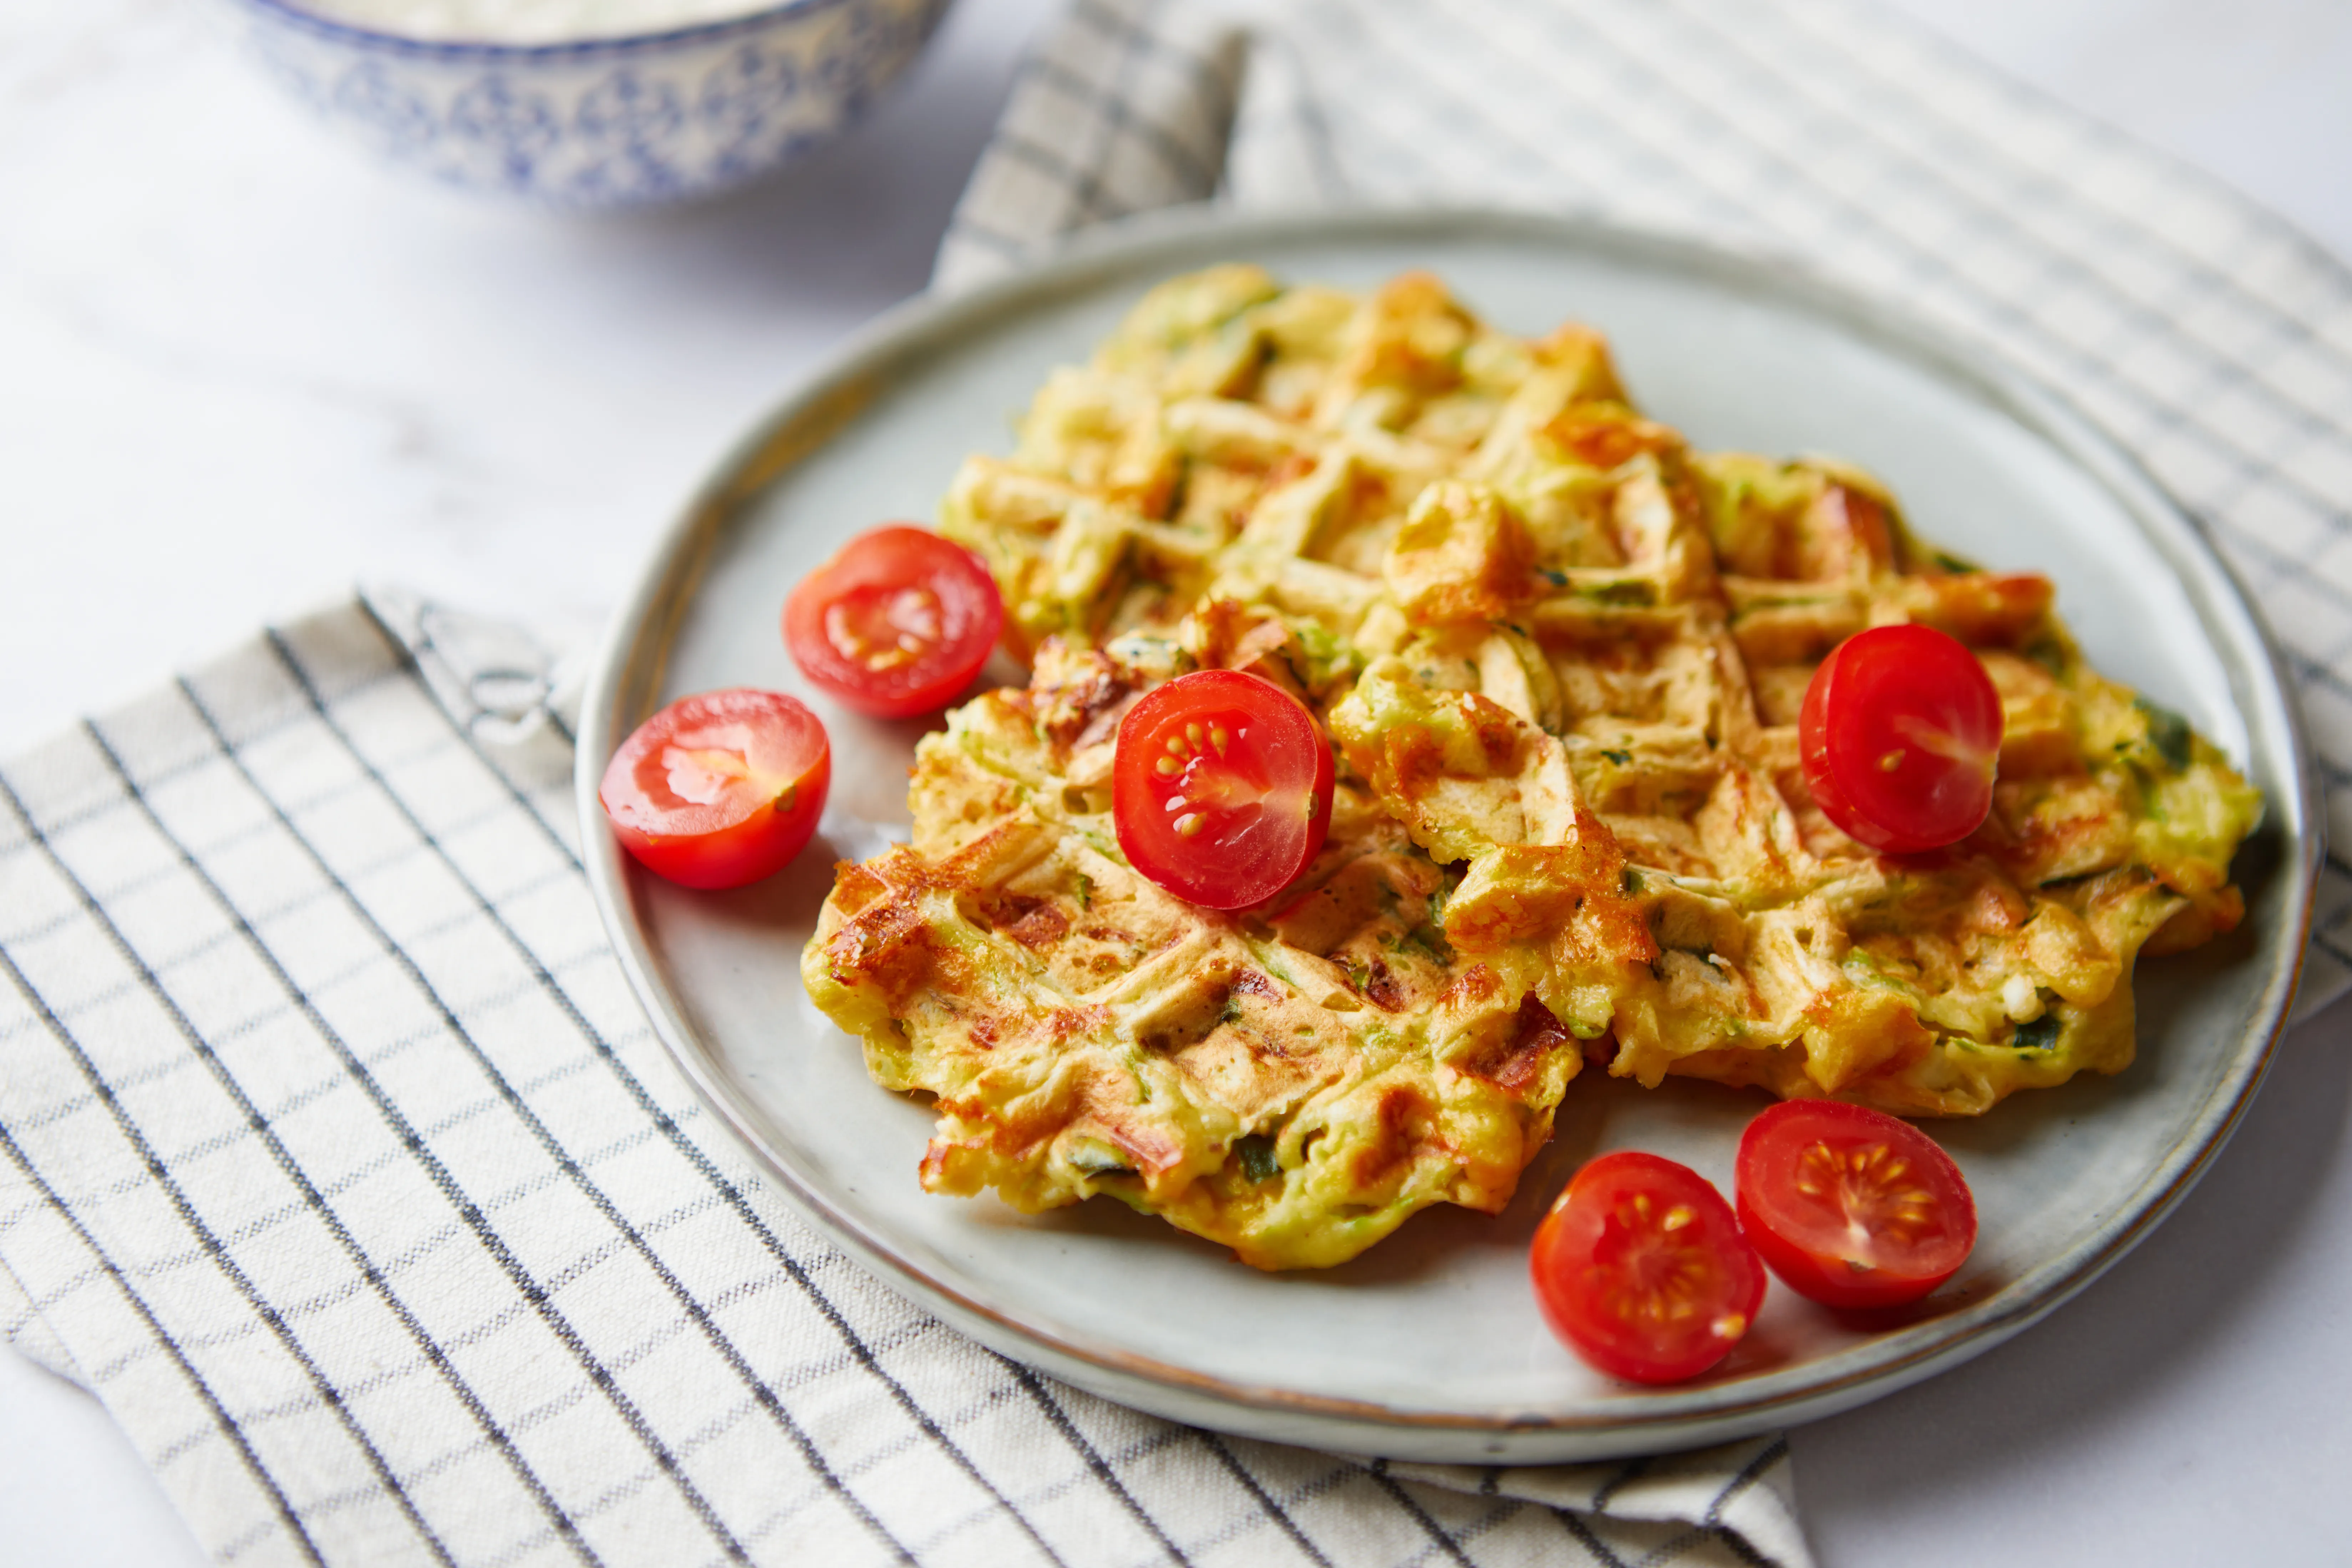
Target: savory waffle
x,y
1291,1084
1561,656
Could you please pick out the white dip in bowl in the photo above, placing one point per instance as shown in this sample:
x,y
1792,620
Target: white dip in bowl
x,y
588,103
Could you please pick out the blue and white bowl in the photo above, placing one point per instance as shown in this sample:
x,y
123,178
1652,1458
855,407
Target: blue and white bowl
x,y
599,123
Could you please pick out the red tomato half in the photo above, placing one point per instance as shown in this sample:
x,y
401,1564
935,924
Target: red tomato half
x,y
720,790
1900,729
1640,1267
1850,1207
897,625
1221,787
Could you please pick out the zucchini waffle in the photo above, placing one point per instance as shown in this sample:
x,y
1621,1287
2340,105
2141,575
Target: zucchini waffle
x,y
1560,655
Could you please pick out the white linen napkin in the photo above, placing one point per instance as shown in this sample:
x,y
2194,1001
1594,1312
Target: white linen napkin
x,y
2209,335
337,1158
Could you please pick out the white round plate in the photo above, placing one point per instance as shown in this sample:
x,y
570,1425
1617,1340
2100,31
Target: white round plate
x,y
1428,1346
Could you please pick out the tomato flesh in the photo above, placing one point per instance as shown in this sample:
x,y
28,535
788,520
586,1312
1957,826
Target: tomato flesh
x,y
1900,732
897,623
720,790
1640,1267
1221,787
1850,1207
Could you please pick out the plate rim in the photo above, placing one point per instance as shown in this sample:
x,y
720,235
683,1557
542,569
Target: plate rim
x,y
627,669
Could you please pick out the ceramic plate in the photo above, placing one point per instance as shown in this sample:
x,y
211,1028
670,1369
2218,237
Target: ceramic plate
x,y
1428,1346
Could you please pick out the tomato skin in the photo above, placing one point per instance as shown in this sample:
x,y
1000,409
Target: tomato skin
x,y
897,623
1237,851
1899,1221
1630,1296
720,790
1900,732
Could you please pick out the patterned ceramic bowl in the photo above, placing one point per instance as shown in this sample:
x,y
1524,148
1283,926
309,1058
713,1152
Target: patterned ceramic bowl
x,y
603,122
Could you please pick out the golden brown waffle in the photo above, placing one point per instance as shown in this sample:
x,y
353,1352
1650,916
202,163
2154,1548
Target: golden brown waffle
x,y
1561,658
1293,1086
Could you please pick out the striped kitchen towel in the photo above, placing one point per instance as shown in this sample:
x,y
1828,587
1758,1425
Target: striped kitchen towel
x,y
2206,334
337,1158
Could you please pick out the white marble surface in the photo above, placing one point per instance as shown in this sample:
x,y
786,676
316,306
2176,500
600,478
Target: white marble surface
x,y
240,368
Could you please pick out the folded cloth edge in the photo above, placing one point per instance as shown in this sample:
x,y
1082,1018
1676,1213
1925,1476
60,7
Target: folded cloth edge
x,y
1737,1497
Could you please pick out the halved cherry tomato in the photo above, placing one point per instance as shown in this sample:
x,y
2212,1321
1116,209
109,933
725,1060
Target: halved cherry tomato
x,y
897,623
1640,1267
1850,1206
720,790
1900,730
1221,787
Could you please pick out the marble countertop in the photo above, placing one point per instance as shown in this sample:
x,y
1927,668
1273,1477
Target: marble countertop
x,y
243,368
